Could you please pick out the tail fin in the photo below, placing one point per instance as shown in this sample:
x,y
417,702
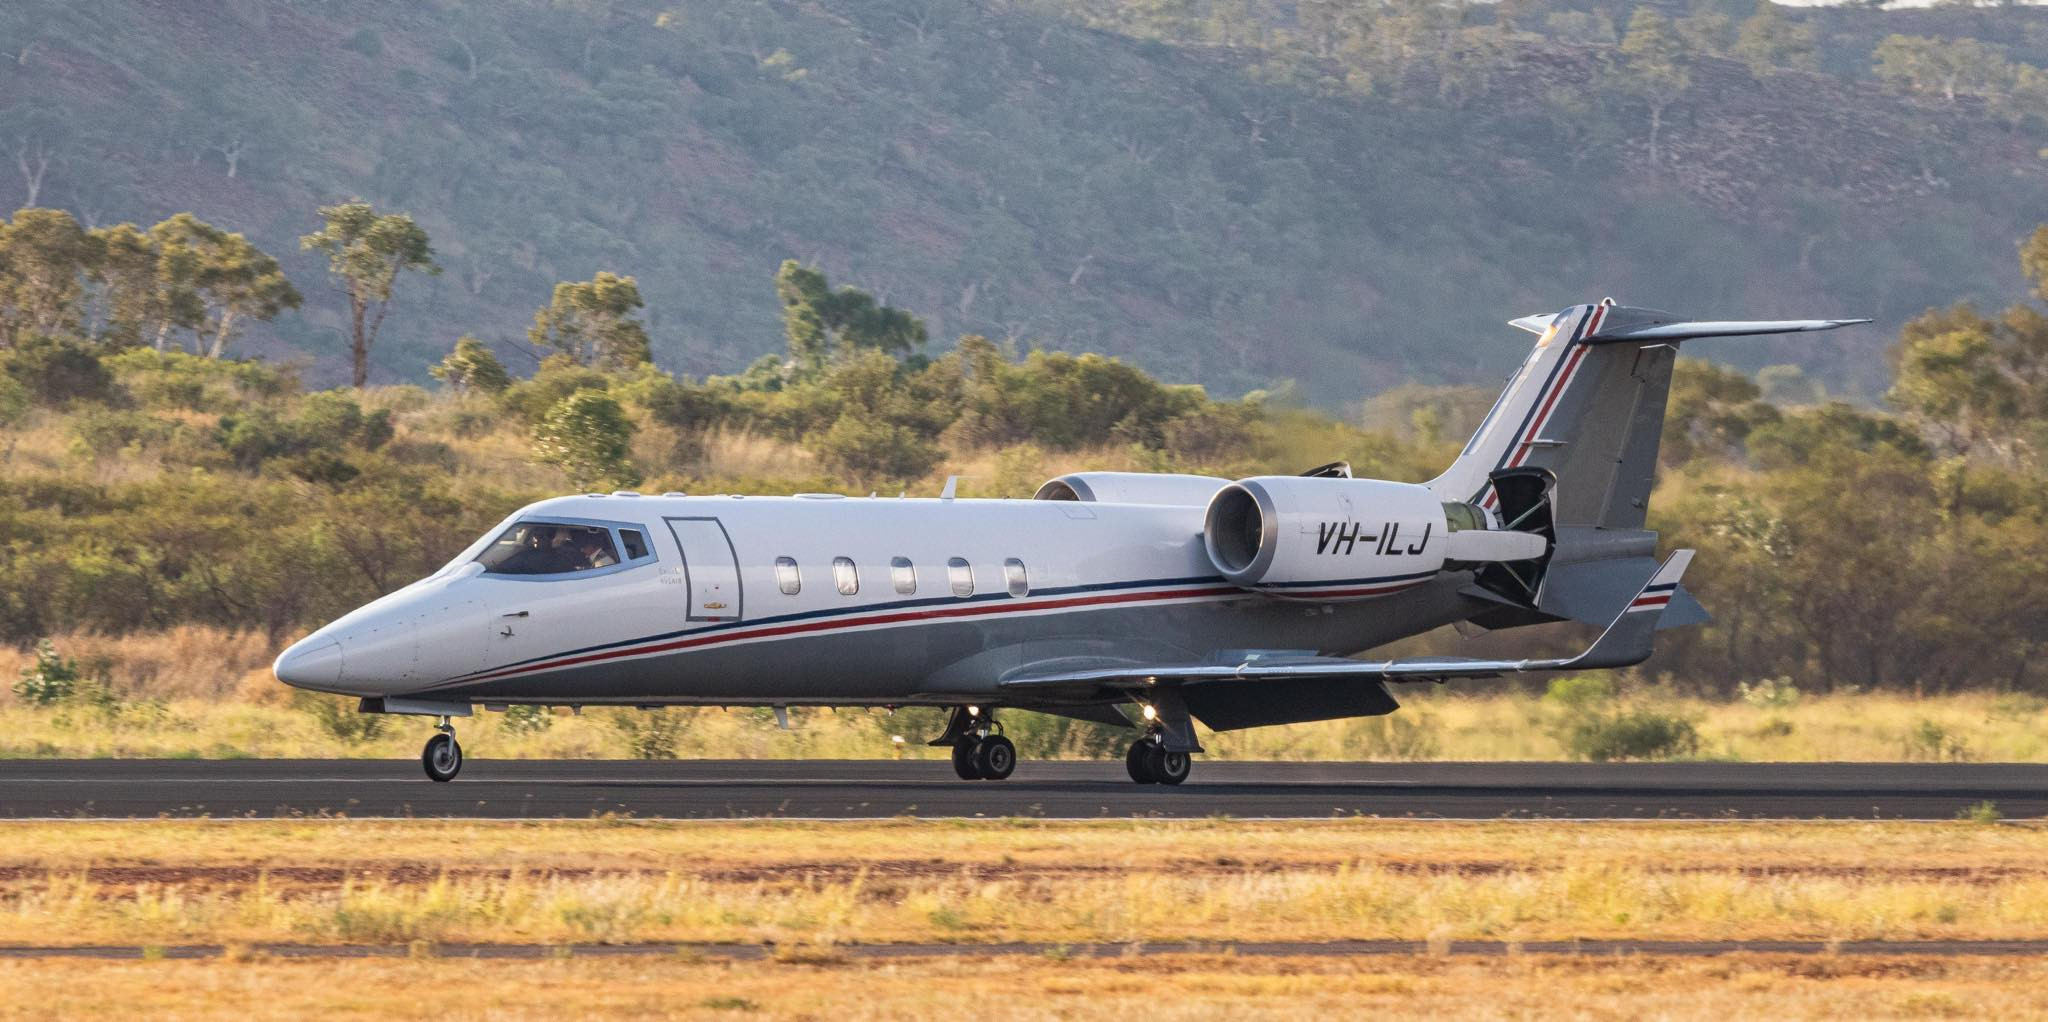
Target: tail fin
x,y
1570,450
1587,406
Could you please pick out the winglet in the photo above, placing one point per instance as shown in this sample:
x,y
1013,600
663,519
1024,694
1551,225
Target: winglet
x,y
1631,637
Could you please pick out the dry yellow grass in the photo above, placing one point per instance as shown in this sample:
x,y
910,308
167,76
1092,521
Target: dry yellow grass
x,y
350,882
1189,987
188,661
196,691
202,693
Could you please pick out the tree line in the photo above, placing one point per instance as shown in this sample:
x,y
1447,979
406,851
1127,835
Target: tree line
x,y
153,478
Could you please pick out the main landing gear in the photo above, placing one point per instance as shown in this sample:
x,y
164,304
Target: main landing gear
x,y
1166,754
1150,763
442,757
980,752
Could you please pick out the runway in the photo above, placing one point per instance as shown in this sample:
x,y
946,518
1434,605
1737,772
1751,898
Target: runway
x,y
864,789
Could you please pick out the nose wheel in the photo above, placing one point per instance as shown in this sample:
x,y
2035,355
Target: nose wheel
x,y
442,758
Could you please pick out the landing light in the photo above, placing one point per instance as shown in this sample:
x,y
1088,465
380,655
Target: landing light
x,y
1151,713
974,711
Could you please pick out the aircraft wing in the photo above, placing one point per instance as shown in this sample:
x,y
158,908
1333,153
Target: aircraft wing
x,y
1627,641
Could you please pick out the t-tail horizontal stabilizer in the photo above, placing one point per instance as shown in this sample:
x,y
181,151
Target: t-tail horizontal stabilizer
x,y
1622,323
1627,641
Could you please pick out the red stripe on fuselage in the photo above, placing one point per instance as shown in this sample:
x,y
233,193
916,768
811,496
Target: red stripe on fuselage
x,y
1325,594
897,617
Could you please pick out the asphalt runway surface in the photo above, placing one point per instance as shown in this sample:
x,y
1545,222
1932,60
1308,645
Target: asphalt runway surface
x,y
869,789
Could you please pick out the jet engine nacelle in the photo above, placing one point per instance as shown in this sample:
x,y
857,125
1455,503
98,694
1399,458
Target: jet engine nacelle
x,y
1132,488
1325,539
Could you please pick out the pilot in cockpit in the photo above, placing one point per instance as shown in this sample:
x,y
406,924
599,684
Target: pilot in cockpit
x,y
597,553
537,554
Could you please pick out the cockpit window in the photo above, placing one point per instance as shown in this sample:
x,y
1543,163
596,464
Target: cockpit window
x,y
545,548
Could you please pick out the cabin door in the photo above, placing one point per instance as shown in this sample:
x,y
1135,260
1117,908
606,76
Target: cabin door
x,y
711,570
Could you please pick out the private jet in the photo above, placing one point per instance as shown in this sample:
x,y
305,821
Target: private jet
x,y
1147,601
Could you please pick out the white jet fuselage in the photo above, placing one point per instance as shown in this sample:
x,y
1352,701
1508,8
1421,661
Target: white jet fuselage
x,y
895,601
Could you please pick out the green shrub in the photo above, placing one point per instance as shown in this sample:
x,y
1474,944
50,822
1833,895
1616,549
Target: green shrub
x,y
588,437
102,431
471,366
652,734
868,452
324,467
1770,693
1630,734
49,678
1931,741
330,418
1983,812
1580,693
526,720
558,378
338,718
14,401
326,421
256,437
59,372
177,379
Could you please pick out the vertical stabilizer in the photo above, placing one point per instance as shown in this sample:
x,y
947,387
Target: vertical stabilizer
x,y
1587,406
1570,449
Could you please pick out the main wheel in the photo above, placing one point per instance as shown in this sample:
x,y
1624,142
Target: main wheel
x,y
1169,767
1138,761
995,758
964,759
442,757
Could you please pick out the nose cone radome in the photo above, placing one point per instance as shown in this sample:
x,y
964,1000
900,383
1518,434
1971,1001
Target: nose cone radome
x,y
313,663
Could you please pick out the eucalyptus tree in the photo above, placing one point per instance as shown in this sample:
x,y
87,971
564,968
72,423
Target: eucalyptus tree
x,y
366,252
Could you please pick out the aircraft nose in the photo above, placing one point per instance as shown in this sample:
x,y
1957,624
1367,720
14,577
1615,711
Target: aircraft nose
x,y
312,663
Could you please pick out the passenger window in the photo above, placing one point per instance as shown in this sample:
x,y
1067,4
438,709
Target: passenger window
x,y
903,575
544,548
787,578
960,575
845,576
1013,573
636,547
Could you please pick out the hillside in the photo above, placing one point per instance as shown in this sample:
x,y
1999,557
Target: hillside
x,y
1216,201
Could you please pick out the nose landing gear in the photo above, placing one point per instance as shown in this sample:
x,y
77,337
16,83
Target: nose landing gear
x,y
442,758
980,752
